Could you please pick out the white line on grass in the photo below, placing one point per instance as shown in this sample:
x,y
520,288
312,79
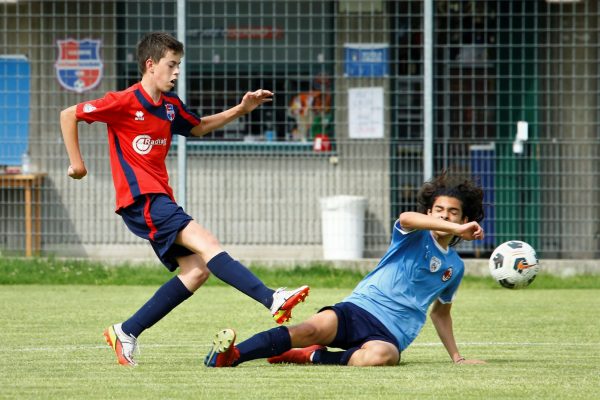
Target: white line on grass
x,y
197,345
86,347
523,344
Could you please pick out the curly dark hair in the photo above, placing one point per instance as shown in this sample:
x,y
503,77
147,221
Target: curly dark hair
x,y
459,187
154,45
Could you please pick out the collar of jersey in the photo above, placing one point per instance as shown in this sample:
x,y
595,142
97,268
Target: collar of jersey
x,y
440,248
148,98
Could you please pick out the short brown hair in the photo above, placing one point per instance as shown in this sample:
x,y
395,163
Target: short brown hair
x,y
154,45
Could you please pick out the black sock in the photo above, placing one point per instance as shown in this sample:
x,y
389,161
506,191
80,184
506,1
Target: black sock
x,y
265,344
235,274
166,298
333,357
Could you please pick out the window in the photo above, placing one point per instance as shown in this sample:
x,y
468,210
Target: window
x,y
237,46
274,121
285,47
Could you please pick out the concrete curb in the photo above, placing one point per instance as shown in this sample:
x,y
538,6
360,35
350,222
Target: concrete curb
x,y
305,256
473,267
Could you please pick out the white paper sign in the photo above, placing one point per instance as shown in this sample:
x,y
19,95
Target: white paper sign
x,y
522,130
365,113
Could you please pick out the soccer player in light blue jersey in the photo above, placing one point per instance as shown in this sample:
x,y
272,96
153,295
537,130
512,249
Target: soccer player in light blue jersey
x,y
388,308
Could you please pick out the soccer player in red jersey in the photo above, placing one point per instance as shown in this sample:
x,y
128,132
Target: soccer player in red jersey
x,y
141,122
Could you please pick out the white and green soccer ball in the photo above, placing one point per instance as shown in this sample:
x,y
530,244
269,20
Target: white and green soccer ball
x,y
514,264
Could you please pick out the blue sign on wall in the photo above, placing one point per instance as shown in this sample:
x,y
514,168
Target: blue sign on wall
x,y
366,60
14,108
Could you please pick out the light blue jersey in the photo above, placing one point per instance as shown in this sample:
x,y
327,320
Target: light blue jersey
x,y
414,272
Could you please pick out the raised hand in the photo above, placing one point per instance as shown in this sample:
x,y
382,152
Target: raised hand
x,y
470,231
251,100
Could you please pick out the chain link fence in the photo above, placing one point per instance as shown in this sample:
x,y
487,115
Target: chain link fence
x,y
515,105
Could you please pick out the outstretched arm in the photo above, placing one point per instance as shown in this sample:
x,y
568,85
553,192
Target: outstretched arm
x,y
68,126
442,320
249,102
411,220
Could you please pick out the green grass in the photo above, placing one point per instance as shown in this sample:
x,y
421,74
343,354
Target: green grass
x,y
542,342
68,272
538,344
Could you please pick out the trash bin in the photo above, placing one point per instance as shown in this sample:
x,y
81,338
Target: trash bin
x,y
343,225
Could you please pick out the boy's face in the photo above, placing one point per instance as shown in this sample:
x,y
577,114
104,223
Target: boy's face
x,y
165,72
449,209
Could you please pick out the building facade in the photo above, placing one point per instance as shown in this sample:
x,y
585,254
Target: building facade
x,y
515,101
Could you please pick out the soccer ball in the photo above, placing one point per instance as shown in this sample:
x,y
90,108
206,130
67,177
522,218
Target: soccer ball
x,y
514,264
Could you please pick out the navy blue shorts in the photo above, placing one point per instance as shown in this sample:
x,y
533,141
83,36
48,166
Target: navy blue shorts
x,y
357,326
158,219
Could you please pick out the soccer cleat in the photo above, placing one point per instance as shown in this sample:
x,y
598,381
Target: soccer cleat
x,y
123,344
223,352
296,356
284,300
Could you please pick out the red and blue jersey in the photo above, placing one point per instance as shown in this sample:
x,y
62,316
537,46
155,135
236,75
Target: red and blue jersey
x,y
139,137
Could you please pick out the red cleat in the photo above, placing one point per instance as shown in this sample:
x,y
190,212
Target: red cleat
x,y
284,300
124,345
223,352
296,356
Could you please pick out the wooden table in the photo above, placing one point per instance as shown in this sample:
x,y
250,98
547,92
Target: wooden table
x,y
31,184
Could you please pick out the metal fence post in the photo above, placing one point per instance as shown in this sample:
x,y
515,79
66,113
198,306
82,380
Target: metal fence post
x,y
181,92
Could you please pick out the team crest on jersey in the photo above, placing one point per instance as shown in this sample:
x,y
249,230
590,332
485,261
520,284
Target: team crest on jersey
x,y
435,264
170,111
78,65
447,275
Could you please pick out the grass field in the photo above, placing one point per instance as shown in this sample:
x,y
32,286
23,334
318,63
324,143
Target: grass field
x,y
539,343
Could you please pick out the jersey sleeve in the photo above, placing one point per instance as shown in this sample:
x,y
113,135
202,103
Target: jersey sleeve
x,y
401,233
105,109
402,239
185,119
399,229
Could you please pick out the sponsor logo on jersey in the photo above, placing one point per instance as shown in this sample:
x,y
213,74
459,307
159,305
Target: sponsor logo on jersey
x,y
170,111
435,264
142,144
139,115
88,108
78,65
447,275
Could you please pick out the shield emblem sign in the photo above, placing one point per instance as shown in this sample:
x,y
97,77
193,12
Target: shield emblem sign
x,y
78,66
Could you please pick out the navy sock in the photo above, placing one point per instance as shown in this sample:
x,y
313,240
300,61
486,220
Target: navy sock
x,y
166,298
333,357
265,344
235,274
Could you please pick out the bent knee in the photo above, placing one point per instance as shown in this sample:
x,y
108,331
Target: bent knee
x,y
200,275
377,357
385,359
305,334
195,277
